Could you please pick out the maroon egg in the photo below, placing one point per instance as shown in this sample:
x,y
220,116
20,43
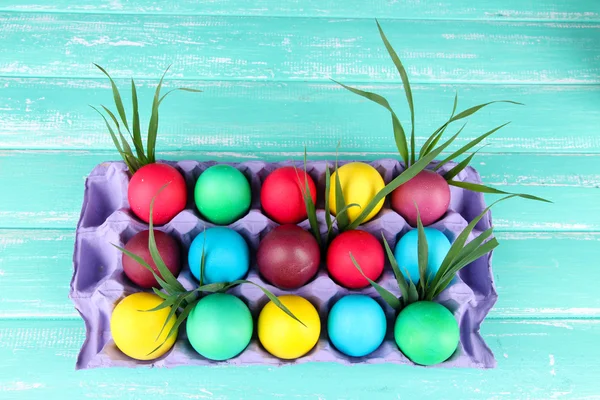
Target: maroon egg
x,y
429,191
167,247
288,256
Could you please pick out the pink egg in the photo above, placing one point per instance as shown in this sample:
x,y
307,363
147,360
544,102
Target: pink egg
x,y
429,191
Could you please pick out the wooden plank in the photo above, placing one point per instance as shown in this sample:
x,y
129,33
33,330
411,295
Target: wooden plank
x,y
570,10
530,270
536,359
52,186
52,113
307,49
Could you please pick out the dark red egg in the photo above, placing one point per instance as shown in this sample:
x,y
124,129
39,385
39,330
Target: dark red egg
x,y
429,191
145,184
288,257
366,250
168,249
282,195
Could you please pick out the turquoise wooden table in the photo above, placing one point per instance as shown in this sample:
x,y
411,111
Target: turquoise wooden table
x,y
264,67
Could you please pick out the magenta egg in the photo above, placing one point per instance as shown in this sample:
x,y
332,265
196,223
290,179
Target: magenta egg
x,y
429,191
288,256
167,247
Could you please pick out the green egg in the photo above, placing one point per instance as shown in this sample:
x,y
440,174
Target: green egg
x,y
426,332
222,194
219,327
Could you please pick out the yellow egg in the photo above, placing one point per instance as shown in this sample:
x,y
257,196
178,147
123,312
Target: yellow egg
x,y
135,331
283,336
360,183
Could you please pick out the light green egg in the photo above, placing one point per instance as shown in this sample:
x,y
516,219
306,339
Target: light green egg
x,y
220,326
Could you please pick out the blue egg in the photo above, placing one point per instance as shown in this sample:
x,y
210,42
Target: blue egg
x,y
407,253
356,325
226,258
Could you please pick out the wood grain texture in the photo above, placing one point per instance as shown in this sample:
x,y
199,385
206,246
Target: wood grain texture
x,y
569,10
58,178
36,268
50,113
307,49
541,359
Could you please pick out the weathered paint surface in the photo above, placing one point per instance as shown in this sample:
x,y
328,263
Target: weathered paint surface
x,y
264,67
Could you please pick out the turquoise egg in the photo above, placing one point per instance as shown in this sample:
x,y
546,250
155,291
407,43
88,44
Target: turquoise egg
x,y
407,253
219,327
226,258
356,325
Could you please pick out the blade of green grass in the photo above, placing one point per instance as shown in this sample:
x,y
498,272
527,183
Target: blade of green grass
x,y
156,257
143,263
385,294
341,213
182,317
432,141
137,134
400,279
327,210
476,187
172,311
468,146
117,98
153,125
399,135
115,140
476,254
178,89
459,243
125,144
273,298
160,294
422,252
203,258
311,211
407,89
460,166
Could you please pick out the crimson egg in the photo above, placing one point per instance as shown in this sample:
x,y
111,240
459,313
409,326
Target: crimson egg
x,y
429,191
366,250
288,256
282,195
167,247
146,183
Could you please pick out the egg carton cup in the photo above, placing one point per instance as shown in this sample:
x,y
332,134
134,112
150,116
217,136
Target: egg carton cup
x,y
99,283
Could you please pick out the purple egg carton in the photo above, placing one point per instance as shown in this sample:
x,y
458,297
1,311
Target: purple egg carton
x,y
99,282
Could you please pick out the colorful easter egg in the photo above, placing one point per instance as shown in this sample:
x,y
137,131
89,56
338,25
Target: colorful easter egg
x,y
167,248
219,326
146,183
135,330
429,191
283,336
426,332
288,256
356,325
222,194
282,195
360,183
226,258
407,253
366,250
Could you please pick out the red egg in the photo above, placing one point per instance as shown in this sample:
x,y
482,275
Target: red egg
x,y
138,245
282,195
288,257
366,250
429,191
145,184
